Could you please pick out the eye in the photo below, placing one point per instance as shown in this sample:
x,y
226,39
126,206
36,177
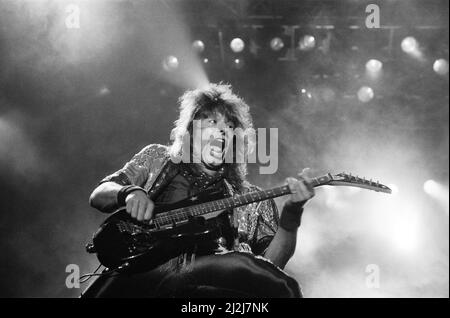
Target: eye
x,y
230,125
212,121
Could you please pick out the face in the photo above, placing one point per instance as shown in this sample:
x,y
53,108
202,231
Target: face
x,y
216,134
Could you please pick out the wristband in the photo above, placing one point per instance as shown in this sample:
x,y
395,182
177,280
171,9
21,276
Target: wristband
x,y
291,216
125,191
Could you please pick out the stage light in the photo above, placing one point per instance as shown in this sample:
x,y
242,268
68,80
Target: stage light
x,y
206,60
440,66
237,45
410,45
439,192
170,63
431,187
306,43
104,90
374,66
238,63
198,46
365,94
306,94
276,44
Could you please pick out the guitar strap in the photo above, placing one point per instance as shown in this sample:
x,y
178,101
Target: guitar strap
x,y
170,170
167,173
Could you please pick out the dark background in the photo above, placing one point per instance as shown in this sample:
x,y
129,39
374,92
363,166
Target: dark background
x,y
76,104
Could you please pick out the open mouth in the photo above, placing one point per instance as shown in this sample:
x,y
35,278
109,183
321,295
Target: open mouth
x,y
218,142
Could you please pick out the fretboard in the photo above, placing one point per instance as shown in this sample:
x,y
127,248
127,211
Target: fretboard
x,y
183,214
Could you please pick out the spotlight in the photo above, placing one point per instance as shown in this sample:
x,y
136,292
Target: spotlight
x,y
198,46
205,60
170,63
238,63
431,187
410,45
276,44
438,192
374,66
306,94
441,66
237,45
365,94
104,90
306,43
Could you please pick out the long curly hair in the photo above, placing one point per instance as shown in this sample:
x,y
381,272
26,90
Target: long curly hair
x,y
199,103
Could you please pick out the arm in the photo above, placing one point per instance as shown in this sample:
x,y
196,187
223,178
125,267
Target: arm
x,y
117,187
282,246
138,205
104,197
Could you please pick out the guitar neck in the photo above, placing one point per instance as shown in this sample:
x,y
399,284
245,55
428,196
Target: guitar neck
x,y
183,214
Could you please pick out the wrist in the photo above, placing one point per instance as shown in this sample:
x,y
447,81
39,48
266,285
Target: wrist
x,y
125,191
291,215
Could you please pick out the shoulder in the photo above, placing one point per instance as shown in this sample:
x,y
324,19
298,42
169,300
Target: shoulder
x,y
155,150
150,155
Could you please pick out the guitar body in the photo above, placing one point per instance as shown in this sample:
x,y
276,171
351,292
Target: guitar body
x,y
125,244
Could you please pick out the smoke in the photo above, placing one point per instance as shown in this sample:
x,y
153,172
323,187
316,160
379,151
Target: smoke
x,y
75,104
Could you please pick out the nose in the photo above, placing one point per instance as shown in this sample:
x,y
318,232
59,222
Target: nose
x,y
222,128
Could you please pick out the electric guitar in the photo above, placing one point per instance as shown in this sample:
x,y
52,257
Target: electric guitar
x,y
125,244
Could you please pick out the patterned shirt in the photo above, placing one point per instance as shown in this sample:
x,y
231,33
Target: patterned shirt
x,y
152,169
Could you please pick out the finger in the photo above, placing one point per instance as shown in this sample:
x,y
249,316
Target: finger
x,y
304,175
141,211
300,191
129,206
135,209
291,183
296,190
149,211
305,190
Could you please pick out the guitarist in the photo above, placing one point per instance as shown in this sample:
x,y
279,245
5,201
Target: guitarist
x,y
253,243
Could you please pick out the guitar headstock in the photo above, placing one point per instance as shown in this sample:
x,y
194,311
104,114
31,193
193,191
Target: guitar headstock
x,y
345,179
